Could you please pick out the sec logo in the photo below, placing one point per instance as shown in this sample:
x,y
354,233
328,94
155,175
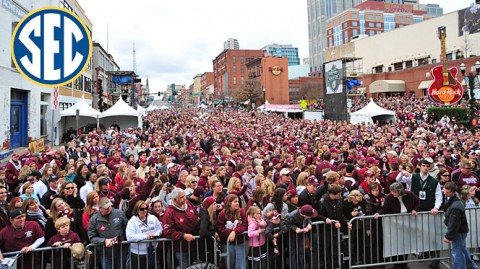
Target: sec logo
x,y
51,46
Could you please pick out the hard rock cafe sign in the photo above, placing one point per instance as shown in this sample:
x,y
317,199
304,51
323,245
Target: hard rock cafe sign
x,y
276,70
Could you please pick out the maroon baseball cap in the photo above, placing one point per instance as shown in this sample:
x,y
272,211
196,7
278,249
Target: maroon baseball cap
x,y
312,180
307,210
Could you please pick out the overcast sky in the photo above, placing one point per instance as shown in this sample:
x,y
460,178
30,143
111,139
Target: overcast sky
x,y
174,40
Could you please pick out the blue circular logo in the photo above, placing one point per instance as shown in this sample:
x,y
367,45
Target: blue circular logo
x,y
51,46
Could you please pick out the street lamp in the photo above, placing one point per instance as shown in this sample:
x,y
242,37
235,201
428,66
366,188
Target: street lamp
x,y
470,80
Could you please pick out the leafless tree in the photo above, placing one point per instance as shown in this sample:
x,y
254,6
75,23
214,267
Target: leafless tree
x,y
250,89
311,90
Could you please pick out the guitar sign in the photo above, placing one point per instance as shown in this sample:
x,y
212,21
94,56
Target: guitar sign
x,y
445,89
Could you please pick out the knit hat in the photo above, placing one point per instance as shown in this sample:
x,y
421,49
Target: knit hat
x,y
208,202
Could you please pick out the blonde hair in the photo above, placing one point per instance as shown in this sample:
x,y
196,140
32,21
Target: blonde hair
x,y
231,184
252,210
189,180
60,222
355,194
301,180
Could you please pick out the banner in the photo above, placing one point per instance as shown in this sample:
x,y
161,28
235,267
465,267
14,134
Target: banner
x,y
409,234
37,145
334,77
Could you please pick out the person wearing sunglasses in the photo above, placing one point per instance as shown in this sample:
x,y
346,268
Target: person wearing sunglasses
x,y
143,226
465,176
69,193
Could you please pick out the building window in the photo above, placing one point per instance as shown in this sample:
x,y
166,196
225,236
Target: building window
x,y
400,19
370,17
407,19
355,32
355,23
409,64
345,25
242,60
234,69
242,69
377,17
14,25
398,66
371,33
378,25
234,60
354,15
234,80
371,24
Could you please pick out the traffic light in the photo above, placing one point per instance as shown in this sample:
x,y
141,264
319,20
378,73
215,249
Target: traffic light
x,y
159,94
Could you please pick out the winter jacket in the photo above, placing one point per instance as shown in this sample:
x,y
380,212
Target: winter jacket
x,y
226,226
138,230
455,218
179,222
256,239
101,228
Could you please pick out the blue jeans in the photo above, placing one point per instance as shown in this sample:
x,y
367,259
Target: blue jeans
x,y
183,259
236,255
297,246
461,256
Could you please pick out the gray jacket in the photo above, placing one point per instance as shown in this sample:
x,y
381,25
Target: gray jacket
x,y
99,228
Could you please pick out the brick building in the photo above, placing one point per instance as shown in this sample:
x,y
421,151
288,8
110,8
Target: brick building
x,y
272,72
229,70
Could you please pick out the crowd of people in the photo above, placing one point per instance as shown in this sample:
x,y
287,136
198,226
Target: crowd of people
x,y
233,175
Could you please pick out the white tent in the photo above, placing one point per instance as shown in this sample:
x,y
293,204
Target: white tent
x,y
141,110
371,113
163,107
152,107
84,108
88,115
123,115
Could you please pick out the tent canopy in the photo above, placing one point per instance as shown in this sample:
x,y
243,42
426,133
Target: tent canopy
x,y
141,110
84,108
152,107
120,109
372,112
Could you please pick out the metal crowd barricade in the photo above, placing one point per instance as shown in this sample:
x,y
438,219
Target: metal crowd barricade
x,y
167,254
47,257
397,239
319,248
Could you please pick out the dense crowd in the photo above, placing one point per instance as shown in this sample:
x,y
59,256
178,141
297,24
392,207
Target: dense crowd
x,y
220,174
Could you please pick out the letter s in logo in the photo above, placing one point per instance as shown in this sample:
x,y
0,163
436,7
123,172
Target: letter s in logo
x,y
51,46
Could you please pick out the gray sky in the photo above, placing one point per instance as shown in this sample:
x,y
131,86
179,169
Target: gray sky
x,y
174,40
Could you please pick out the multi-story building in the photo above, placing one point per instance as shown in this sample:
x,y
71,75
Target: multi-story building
x,y
368,19
311,85
319,11
231,44
206,86
288,51
229,70
401,58
272,72
103,63
197,89
26,104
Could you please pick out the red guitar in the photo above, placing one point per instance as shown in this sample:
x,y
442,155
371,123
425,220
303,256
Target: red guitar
x,y
445,89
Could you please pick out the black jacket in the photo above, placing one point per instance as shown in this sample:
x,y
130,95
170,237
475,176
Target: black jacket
x,y
455,218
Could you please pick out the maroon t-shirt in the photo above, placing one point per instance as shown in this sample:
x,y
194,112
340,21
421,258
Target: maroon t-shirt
x,y
14,240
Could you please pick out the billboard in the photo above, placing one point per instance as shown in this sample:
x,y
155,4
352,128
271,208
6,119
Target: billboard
x,y
335,97
469,20
334,77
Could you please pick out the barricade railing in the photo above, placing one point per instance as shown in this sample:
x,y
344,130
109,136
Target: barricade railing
x,y
386,240
397,239
55,257
318,248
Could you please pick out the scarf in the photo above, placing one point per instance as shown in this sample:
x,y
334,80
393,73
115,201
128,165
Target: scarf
x,y
66,213
17,166
38,216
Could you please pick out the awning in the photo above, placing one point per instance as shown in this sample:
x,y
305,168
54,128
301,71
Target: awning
x,y
382,86
425,84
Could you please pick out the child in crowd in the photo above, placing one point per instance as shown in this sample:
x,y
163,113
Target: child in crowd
x,y
275,238
65,238
256,232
